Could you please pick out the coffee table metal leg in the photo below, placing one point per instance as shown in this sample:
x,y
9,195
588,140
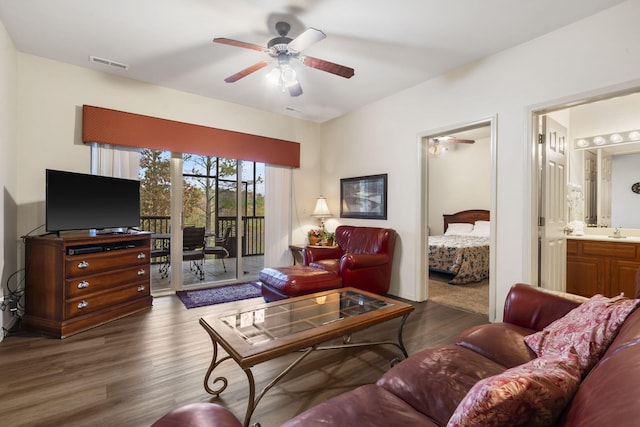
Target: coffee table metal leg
x,y
253,400
400,341
214,363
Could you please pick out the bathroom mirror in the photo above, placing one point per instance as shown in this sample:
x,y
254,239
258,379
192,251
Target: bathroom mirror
x,y
604,159
609,176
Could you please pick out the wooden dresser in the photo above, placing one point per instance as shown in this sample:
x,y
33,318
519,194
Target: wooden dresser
x,y
75,282
606,267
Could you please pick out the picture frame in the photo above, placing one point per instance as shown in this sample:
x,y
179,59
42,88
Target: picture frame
x,y
364,197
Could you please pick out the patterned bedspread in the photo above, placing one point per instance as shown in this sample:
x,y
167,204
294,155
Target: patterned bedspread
x,y
466,257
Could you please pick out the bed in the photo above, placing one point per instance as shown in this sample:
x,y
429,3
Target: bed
x,y
463,250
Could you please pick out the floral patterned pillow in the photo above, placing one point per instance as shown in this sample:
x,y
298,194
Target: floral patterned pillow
x,y
589,329
532,394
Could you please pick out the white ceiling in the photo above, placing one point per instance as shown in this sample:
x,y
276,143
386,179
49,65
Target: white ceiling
x,y
392,45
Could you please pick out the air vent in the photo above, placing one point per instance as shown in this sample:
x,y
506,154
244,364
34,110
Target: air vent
x,y
108,62
290,108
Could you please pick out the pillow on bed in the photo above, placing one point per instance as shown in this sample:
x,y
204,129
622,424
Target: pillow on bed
x,y
481,229
459,229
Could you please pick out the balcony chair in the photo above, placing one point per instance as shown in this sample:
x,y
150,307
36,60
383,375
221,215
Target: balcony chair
x,y
362,258
220,250
193,249
160,255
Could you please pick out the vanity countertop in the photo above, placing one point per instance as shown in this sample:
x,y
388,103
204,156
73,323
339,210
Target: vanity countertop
x,y
606,238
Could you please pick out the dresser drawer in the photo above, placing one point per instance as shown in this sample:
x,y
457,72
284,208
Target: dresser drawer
x,y
83,265
86,285
94,302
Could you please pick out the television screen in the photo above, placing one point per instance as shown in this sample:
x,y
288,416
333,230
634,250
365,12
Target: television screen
x,y
76,201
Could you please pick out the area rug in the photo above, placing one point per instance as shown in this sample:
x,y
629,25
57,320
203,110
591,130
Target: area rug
x,y
219,294
473,297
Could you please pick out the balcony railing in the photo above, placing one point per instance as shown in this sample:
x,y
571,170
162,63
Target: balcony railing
x,y
252,237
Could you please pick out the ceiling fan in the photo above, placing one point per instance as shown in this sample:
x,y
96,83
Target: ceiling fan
x,y
438,145
442,139
283,49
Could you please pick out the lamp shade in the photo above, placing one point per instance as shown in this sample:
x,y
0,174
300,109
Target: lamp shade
x,y
321,210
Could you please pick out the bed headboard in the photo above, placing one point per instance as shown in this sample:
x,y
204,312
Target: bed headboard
x,y
470,216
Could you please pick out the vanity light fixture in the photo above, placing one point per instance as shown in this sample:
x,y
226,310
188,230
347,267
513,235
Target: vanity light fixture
x,y
616,138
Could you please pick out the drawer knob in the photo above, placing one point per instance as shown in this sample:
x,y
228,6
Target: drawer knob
x,y
141,255
141,288
141,272
82,305
83,264
83,285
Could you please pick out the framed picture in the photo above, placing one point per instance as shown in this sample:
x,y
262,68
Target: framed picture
x,y
364,197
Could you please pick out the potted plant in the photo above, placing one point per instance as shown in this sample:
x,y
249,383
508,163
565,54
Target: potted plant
x,y
329,238
314,235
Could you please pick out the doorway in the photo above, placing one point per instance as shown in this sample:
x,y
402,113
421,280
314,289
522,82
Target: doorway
x,y
448,186
587,193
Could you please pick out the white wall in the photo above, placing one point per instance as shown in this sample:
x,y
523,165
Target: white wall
x,y
459,179
49,125
8,235
383,136
604,117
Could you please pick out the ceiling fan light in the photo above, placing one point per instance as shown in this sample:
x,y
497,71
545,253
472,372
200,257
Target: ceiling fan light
x,y
273,76
437,148
288,75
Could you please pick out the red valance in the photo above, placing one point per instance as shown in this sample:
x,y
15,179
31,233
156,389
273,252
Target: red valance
x,y
114,127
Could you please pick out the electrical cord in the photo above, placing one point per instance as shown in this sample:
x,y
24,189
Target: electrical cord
x,y
14,301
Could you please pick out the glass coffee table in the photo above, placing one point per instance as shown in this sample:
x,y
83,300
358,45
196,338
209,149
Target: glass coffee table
x,y
258,332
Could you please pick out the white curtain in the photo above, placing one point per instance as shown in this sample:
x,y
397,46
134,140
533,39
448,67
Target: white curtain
x,y
277,213
118,162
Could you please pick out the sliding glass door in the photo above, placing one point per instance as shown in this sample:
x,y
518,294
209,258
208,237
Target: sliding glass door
x,y
220,199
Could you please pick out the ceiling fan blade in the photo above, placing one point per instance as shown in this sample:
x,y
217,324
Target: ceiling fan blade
x,y
450,139
330,67
237,43
294,88
240,74
306,39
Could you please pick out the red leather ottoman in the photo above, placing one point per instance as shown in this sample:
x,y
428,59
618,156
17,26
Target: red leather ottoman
x,y
286,282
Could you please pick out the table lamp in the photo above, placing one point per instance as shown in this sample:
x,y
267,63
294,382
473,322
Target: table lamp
x,y
321,211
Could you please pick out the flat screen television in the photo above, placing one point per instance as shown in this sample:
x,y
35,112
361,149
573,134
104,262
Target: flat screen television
x,y
77,201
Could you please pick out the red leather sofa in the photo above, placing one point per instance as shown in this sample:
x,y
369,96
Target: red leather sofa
x,y
426,388
363,257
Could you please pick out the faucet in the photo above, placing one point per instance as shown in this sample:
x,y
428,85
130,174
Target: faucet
x,y
617,235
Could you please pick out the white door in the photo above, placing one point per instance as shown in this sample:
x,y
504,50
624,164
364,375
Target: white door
x,y
552,204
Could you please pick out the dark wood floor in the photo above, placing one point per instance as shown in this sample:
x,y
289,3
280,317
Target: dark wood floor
x,y
132,371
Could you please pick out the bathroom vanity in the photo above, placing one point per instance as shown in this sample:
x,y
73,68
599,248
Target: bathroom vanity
x,y
602,265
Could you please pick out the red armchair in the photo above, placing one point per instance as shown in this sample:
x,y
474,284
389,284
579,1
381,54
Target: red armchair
x,y
362,258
